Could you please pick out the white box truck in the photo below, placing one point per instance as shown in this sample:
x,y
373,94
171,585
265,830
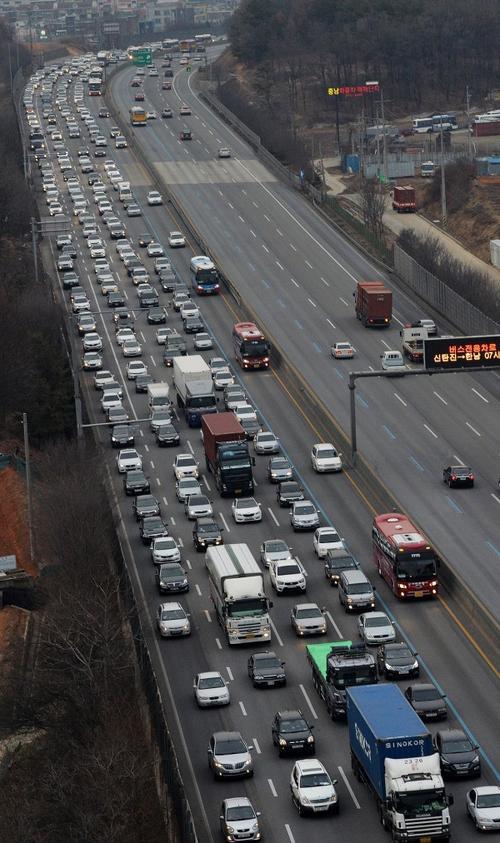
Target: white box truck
x,y
237,591
194,387
158,396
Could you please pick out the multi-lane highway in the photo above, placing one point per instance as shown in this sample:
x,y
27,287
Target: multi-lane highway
x,y
298,276
447,657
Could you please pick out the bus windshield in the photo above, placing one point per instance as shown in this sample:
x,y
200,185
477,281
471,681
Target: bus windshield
x,y
254,348
416,569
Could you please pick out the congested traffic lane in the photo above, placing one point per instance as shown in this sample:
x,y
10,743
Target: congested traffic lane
x,y
348,511
298,276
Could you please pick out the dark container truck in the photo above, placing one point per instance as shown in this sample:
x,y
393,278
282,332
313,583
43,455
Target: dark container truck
x,y
373,303
336,666
392,752
226,454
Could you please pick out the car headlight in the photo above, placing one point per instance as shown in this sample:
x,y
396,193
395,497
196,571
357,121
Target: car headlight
x,y
230,829
258,677
247,762
282,742
475,760
387,666
310,739
185,627
304,800
219,765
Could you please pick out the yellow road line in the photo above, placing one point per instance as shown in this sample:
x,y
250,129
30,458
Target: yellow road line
x,y
469,637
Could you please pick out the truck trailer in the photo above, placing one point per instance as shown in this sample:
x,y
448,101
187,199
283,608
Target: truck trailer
x,y
373,303
194,387
413,343
237,592
226,454
403,199
336,666
392,753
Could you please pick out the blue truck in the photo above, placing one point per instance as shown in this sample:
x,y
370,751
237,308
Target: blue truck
x,y
392,753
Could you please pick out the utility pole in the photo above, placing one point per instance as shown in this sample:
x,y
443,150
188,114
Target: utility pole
x,y
467,111
443,181
10,71
384,136
28,484
33,242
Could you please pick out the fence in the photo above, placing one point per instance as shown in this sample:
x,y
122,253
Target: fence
x,y
460,312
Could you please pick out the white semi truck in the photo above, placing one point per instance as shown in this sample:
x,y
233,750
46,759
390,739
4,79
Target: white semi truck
x,y
237,592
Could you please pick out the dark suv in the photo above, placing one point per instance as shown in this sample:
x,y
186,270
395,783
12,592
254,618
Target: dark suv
x,y
292,733
206,532
337,561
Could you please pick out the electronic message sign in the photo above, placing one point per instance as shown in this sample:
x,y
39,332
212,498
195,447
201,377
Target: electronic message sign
x,y
462,352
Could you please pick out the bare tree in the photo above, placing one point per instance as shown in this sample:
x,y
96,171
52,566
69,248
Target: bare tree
x,y
373,206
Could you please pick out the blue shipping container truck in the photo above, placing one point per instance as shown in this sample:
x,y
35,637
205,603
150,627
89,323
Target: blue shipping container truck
x,y
392,752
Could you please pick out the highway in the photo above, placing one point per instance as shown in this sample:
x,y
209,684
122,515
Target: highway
x,y
446,655
298,275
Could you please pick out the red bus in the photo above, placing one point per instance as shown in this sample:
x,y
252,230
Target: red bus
x,y
404,557
251,348
95,86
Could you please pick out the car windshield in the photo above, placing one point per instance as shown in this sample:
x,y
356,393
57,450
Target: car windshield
x,y
401,653
489,800
172,615
210,682
172,571
313,612
153,524
462,471
208,528
288,569
359,588
185,484
306,509
461,745
327,453
246,503
183,461
267,662
277,546
230,747
326,538
240,812
343,562
314,780
426,694
295,725
377,622
164,544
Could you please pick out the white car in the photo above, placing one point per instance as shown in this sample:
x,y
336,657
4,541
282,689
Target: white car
x,y
246,509
210,689
223,378
274,550
185,110
224,152
266,442
376,628
152,115
197,506
128,459
308,619
245,411
203,341
154,198
102,379
124,334
287,576
134,368
342,351
165,549
92,342
312,788
324,457
97,251
185,465
483,807
304,516
155,250
131,348
187,486
216,363
325,539
188,309
176,239
162,334
172,620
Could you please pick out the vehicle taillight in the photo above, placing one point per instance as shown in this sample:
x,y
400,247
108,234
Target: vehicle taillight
x,y
471,477
453,476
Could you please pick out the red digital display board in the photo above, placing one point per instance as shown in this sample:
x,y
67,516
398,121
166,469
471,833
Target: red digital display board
x,y
353,90
462,352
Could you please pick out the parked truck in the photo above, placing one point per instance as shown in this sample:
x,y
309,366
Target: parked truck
x,y
413,343
194,387
392,752
158,396
237,592
226,454
335,667
373,303
403,199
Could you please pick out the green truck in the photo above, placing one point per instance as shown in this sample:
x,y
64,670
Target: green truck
x,y
337,665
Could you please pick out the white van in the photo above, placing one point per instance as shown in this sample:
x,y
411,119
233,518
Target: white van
x,y
124,192
393,361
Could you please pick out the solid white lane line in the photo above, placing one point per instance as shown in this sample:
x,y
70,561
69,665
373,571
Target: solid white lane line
x,y
486,401
349,788
308,701
289,832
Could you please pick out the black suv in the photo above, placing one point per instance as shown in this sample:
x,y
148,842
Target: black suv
x,y
206,532
122,436
292,733
266,670
337,561
136,483
289,491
